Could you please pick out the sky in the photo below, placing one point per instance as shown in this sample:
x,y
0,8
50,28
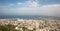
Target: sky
x,y
30,7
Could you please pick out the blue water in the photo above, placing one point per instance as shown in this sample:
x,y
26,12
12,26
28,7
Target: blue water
x,y
28,16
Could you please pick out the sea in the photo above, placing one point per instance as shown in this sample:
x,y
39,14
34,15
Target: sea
x,y
37,17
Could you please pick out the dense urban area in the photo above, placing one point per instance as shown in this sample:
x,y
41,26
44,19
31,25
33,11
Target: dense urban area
x,y
29,25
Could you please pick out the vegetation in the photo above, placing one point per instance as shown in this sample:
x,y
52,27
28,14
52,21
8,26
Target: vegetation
x,y
7,28
11,28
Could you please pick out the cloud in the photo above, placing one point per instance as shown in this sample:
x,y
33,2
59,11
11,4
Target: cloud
x,y
51,10
31,8
30,3
52,5
19,3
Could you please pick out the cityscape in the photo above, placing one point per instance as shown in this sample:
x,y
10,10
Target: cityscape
x,y
29,15
29,25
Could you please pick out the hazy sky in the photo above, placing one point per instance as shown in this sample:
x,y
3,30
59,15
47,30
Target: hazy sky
x,y
30,7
